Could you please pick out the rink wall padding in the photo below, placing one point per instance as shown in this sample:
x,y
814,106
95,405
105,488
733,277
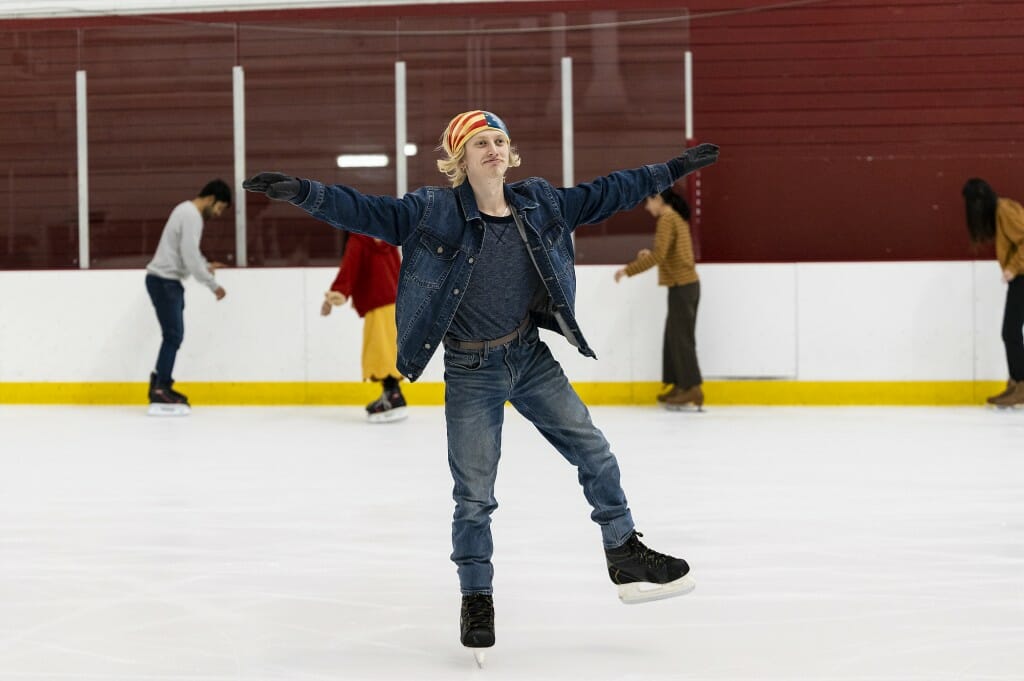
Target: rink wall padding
x,y
781,333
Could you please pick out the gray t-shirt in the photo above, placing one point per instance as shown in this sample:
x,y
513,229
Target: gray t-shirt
x,y
503,287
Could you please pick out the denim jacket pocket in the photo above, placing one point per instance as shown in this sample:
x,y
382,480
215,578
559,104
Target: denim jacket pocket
x,y
555,237
431,261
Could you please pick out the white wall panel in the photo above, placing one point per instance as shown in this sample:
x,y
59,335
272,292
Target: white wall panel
x,y
919,321
894,321
257,333
746,323
56,326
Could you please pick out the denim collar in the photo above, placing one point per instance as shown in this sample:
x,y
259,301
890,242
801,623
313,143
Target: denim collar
x,y
467,201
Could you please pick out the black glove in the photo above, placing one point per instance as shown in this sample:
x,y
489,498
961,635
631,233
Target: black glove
x,y
693,159
275,185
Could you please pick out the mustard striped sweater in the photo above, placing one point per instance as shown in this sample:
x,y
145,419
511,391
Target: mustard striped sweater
x,y
1010,235
672,252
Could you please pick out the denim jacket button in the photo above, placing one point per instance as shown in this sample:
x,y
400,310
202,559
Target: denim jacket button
x,y
440,249
455,292
426,346
471,261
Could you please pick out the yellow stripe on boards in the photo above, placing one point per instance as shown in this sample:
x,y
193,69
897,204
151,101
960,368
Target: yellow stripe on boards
x,y
753,392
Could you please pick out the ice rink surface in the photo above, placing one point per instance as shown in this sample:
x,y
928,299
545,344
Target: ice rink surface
x,y
302,544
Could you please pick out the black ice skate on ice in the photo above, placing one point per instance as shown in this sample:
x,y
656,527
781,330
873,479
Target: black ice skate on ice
x,y
477,624
646,575
390,406
163,401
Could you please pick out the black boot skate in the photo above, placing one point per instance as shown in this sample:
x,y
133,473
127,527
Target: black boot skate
x,y
163,401
646,575
477,624
181,398
390,406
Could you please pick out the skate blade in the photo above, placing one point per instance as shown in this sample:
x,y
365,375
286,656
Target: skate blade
x,y
644,592
479,656
695,408
389,416
159,409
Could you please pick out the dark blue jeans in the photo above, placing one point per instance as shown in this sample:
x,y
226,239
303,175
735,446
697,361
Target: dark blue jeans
x,y
168,296
477,385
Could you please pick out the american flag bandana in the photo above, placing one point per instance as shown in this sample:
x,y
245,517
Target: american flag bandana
x,y
467,124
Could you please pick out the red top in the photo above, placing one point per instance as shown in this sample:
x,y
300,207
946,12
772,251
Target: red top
x,y
368,273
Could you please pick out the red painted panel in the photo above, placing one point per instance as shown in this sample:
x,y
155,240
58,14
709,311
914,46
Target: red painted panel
x,y
847,127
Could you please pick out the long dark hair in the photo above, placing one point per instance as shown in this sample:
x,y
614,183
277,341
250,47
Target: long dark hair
x,y
980,203
677,202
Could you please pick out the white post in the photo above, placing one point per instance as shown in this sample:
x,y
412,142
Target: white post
x,y
238,97
83,170
568,171
688,93
401,132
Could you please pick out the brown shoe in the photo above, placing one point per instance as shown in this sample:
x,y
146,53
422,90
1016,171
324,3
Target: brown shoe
x,y
663,396
1013,398
1010,384
692,395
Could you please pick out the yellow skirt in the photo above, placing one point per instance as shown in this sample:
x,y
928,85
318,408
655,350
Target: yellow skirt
x,y
380,344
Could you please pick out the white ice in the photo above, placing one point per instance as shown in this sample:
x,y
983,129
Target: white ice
x,y
303,544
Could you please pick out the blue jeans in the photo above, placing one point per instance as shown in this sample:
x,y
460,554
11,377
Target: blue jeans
x,y
523,372
168,296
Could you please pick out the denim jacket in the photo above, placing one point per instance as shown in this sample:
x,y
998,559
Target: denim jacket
x,y
441,231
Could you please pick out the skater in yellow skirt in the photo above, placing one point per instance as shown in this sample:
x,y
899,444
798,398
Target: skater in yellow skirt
x,y
369,276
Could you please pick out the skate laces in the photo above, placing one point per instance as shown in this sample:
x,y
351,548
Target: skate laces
x,y
646,555
477,610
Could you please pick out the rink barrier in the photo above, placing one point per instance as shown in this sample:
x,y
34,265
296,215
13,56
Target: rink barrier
x,y
722,392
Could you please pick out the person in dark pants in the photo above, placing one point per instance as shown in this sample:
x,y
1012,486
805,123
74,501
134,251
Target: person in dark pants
x,y
485,263
673,254
177,257
992,217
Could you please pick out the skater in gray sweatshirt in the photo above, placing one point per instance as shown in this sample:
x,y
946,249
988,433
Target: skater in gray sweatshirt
x,y
178,257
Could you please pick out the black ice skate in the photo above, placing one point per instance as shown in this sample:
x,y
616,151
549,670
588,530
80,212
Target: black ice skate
x,y
477,624
646,575
163,401
390,406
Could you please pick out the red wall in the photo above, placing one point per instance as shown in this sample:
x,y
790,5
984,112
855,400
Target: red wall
x,y
847,127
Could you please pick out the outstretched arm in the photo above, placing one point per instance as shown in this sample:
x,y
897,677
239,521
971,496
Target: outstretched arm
x,y
597,201
383,217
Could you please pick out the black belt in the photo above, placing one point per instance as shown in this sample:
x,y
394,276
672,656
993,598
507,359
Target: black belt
x,y
480,345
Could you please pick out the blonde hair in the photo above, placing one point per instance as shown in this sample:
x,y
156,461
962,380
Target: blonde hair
x,y
455,172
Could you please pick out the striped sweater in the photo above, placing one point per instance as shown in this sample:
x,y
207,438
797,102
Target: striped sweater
x,y
672,252
1010,235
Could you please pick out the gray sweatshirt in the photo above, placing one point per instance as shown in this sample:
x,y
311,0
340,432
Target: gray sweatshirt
x,y
177,256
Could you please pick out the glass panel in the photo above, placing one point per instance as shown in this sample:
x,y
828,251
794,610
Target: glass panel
x,y
508,64
629,106
160,127
161,119
315,90
38,172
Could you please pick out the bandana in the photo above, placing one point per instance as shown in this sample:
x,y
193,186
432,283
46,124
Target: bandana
x,y
465,125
